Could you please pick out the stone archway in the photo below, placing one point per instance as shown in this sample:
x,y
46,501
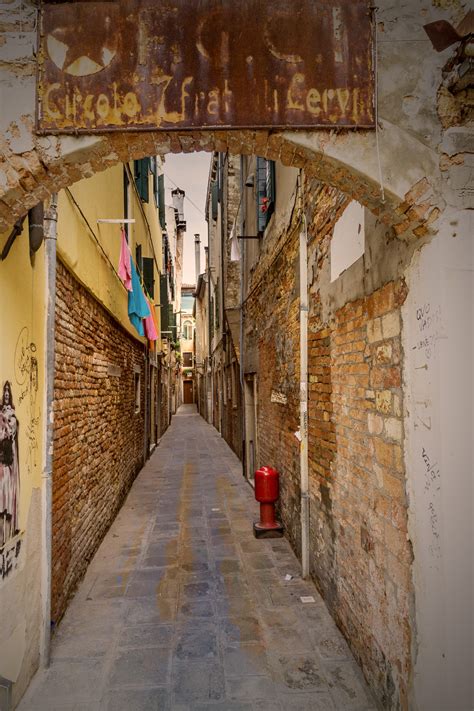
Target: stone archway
x,y
33,167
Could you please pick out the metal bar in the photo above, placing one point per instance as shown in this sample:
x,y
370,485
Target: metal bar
x,y
117,222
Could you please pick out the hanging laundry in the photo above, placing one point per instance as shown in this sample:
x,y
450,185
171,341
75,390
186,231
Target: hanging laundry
x,y
137,305
151,330
124,267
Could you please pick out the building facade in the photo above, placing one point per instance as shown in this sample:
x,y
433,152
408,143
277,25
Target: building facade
x,y
112,386
278,239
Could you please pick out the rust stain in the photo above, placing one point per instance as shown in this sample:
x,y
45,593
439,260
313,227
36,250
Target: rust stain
x,y
172,64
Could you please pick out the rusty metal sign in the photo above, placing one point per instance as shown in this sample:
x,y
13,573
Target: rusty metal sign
x,y
197,64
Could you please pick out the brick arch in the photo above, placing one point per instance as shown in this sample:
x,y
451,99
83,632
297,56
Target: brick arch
x,y
52,163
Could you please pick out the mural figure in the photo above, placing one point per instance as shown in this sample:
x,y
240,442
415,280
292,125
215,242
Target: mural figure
x,y
9,467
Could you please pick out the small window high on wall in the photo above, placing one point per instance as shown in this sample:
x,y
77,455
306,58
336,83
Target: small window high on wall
x,y
348,240
265,175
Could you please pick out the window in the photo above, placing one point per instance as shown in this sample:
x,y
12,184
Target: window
x,y
211,318
148,265
187,330
265,180
188,360
138,258
159,190
141,171
217,305
137,388
214,200
187,303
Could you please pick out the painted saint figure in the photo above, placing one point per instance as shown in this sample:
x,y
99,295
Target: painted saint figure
x,y
9,467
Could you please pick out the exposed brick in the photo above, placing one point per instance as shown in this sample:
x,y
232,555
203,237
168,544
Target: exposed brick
x,y
98,441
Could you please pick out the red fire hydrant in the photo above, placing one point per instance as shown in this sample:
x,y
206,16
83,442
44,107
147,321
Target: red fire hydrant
x,y
267,491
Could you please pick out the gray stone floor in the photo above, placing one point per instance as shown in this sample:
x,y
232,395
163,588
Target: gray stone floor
x,y
183,609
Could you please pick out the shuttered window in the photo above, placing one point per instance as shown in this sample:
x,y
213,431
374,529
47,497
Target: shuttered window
x,y
149,275
266,190
214,200
139,259
164,302
161,201
141,171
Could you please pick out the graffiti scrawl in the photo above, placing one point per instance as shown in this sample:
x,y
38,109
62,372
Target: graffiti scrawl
x,y
9,467
9,482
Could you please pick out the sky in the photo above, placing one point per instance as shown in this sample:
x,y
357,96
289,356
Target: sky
x,y
190,171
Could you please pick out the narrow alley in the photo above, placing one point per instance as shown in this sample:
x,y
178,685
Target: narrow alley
x,y
182,608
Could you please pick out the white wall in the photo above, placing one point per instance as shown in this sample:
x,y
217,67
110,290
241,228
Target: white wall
x,y
438,342
348,241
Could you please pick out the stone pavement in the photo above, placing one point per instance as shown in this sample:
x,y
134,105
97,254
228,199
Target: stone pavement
x,y
183,609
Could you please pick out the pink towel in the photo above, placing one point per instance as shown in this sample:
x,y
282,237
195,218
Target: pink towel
x,y
124,268
150,326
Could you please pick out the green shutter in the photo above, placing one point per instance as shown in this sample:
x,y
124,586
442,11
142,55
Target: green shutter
x,y
161,201
271,187
214,200
217,304
164,304
261,184
149,275
266,191
142,169
139,259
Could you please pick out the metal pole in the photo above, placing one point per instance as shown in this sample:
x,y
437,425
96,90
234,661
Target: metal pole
x,y
50,241
304,401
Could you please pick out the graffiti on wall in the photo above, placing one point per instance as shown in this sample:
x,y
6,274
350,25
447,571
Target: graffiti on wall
x,y
20,394
10,542
26,377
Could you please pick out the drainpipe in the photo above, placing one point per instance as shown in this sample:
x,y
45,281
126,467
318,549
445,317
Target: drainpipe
x,y
241,326
222,161
304,483
50,237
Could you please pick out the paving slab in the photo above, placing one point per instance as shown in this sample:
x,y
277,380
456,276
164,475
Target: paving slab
x,y
182,609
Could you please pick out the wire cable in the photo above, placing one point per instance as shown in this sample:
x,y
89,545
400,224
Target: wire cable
x,y
81,212
201,212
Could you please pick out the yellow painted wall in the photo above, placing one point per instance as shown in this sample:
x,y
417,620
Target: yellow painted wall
x,y
94,259
22,330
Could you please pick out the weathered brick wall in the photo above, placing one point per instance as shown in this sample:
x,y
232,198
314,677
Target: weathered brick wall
x,y
98,442
360,555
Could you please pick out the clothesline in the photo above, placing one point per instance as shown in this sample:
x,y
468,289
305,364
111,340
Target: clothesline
x,y
139,277
140,310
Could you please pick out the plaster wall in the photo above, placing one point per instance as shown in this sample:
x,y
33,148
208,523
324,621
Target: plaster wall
x,y
439,435
94,259
22,328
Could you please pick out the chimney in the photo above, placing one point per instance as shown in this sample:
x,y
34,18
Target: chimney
x,y
197,255
178,204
